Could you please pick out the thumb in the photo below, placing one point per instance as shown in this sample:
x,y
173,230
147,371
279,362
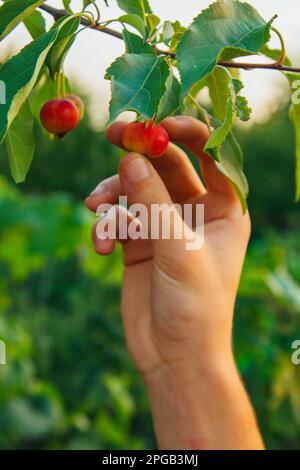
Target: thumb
x,y
142,185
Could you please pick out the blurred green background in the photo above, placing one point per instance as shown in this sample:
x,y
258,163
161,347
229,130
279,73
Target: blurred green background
x,y
68,382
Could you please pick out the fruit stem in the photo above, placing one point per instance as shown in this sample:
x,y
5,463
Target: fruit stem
x,y
63,80
283,49
58,84
98,12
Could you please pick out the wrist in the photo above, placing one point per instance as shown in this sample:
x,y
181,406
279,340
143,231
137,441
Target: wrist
x,y
193,405
188,371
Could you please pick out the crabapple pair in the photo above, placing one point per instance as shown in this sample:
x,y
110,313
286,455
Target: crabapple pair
x,y
62,115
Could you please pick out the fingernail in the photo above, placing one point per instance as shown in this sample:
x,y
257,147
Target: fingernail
x,y
102,188
137,170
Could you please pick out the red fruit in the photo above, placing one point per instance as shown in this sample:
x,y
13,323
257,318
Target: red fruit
x,y
59,116
78,103
151,140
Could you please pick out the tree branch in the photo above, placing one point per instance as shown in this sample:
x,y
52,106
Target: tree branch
x,y
57,14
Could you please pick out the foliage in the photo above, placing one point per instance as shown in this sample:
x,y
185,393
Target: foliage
x,y
227,29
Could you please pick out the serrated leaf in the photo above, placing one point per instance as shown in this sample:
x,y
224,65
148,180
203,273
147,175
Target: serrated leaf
x,y
231,165
14,12
136,7
138,83
170,102
221,85
20,143
35,24
219,135
20,74
242,108
238,85
226,25
135,45
135,21
63,42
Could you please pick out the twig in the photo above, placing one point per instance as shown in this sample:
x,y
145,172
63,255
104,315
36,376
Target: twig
x,y
57,14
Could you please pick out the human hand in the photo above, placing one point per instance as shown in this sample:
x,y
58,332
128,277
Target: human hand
x,y
177,305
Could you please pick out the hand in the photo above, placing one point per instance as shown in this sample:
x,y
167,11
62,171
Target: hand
x,y
177,305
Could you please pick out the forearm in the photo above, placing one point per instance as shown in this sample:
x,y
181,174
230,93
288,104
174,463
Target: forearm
x,y
202,407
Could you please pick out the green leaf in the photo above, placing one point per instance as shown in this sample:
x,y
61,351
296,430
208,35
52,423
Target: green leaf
x,y
136,7
20,143
13,12
179,30
135,21
227,25
220,134
231,165
242,108
153,21
35,24
20,74
138,84
67,5
135,45
219,87
63,42
167,32
170,102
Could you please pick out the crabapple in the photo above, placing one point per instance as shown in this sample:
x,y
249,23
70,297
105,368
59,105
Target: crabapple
x,y
60,116
150,140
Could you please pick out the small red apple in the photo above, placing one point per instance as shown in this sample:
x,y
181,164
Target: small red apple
x,y
150,140
59,116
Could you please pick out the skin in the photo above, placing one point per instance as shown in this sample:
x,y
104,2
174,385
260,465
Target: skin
x,y
178,305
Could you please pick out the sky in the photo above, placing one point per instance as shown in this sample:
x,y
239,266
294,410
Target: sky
x,y
93,52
